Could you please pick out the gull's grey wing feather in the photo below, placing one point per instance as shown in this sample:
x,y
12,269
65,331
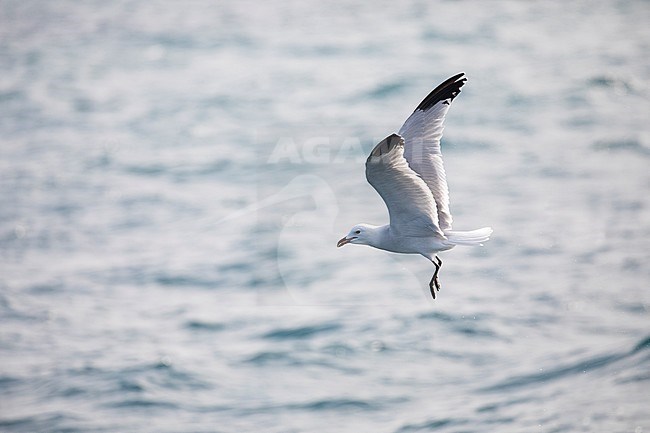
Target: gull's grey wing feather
x,y
422,132
410,204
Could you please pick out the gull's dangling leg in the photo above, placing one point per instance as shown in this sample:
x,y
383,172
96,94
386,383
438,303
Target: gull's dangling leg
x,y
434,284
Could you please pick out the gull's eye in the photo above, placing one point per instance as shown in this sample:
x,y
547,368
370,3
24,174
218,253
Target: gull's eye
x,y
357,232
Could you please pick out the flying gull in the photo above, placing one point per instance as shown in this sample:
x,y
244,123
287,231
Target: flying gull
x,y
406,170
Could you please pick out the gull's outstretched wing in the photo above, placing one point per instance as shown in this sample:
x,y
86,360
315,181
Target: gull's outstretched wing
x,y
410,204
422,132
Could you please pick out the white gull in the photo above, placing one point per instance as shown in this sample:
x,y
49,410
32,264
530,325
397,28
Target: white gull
x,y
406,170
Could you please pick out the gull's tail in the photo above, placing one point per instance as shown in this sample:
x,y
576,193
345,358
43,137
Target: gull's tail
x,y
473,237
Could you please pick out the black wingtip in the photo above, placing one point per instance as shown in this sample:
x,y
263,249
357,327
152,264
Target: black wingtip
x,y
447,90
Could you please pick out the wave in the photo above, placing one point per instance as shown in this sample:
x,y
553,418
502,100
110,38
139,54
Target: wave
x,y
430,425
204,326
301,331
577,368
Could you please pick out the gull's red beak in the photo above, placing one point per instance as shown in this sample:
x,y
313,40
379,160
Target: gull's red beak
x,y
343,242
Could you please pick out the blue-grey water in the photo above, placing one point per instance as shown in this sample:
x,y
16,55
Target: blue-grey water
x,y
174,177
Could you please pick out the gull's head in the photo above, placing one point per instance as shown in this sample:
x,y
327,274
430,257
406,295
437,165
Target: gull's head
x,y
361,234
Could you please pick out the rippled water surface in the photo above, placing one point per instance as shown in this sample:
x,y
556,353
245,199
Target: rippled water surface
x,y
175,175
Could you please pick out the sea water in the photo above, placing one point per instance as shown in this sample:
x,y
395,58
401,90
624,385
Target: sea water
x,y
174,177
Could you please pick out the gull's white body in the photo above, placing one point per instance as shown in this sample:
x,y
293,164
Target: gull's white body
x,y
406,170
383,238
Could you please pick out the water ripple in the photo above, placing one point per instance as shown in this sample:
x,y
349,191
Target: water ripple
x,y
301,332
577,368
141,403
204,326
336,404
430,425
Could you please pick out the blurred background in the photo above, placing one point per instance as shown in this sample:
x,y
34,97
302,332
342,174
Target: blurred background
x,y
174,177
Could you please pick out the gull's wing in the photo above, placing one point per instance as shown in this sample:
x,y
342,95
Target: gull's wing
x,y
422,132
410,204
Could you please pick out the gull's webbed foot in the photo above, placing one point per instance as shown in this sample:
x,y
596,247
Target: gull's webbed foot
x,y
434,284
